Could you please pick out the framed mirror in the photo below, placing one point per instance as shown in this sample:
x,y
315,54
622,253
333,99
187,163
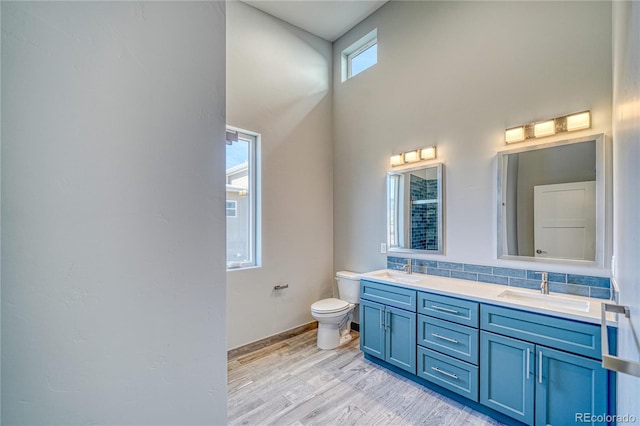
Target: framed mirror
x,y
415,210
552,202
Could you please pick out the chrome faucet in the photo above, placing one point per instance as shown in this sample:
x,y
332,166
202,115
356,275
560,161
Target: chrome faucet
x,y
544,283
407,266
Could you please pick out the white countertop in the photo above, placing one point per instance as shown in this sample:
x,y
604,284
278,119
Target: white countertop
x,y
489,293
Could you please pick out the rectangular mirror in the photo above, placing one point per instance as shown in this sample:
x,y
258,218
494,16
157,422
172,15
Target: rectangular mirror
x,y
552,202
414,210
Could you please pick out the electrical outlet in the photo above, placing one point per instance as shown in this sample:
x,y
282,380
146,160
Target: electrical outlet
x,y
383,248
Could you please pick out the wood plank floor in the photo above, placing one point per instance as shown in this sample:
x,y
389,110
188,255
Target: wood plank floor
x,y
294,383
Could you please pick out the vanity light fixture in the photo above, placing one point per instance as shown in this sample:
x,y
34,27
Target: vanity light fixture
x,y
544,128
428,153
422,154
396,160
515,134
412,156
540,129
581,120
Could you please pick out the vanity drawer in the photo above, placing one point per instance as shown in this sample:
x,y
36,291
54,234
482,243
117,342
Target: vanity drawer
x,y
388,295
564,334
455,375
451,339
448,308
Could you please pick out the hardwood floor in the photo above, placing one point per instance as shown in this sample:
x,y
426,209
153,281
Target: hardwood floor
x,y
295,383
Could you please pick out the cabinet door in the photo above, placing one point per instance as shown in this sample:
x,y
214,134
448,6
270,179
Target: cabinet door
x,y
400,341
507,376
568,387
372,330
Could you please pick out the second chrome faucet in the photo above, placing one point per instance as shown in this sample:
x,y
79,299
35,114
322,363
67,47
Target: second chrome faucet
x,y
544,282
407,266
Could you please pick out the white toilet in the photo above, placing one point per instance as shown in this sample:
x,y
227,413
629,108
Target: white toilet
x,y
334,315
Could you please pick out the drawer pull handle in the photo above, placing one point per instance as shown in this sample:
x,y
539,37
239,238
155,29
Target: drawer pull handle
x,y
440,308
448,339
446,373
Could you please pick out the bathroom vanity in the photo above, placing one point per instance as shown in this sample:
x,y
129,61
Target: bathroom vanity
x,y
533,358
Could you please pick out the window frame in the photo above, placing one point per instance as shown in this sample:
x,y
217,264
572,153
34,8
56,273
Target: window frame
x,y
356,53
354,50
254,200
233,208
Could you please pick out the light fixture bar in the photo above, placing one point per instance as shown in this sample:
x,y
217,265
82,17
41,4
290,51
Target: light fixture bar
x,y
541,129
422,154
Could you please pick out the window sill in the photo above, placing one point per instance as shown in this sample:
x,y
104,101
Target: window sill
x,y
243,268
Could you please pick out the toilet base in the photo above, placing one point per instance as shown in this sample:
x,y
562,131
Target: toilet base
x,y
329,337
332,335
345,337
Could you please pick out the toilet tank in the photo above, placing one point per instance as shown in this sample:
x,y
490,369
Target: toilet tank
x,y
348,286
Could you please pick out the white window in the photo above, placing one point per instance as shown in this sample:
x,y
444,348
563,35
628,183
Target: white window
x,y
243,209
360,55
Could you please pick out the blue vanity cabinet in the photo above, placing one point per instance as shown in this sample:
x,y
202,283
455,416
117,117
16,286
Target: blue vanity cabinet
x,y
448,308
522,377
448,343
506,377
372,332
450,373
567,386
535,368
400,339
448,338
388,327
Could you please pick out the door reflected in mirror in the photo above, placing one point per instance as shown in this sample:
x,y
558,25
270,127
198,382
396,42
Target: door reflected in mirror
x,y
552,202
414,210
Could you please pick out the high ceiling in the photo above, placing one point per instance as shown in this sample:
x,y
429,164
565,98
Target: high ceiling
x,y
328,19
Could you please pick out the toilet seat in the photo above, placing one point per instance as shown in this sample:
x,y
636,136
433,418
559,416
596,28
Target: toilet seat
x,y
330,306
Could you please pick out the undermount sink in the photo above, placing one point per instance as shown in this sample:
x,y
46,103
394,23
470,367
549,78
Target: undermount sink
x,y
396,276
546,300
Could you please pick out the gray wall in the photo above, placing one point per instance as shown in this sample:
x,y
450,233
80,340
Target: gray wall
x,y
456,74
626,157
113,222
278,84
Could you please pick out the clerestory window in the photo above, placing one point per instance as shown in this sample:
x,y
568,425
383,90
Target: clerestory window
x,y
361,55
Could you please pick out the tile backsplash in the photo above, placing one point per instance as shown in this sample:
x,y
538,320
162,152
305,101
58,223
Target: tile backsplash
x,y
424,213
580,285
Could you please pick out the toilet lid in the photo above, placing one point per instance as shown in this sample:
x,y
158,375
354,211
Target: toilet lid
x,y
329,305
